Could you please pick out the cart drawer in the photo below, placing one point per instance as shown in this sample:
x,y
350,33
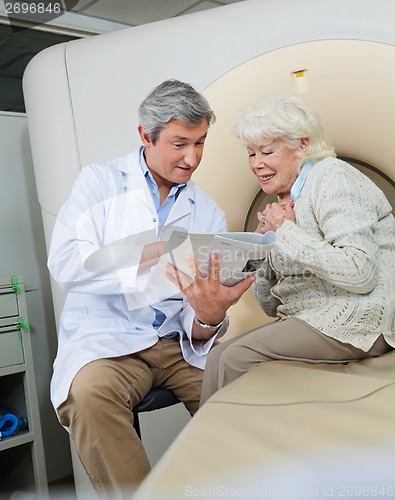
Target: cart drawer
x,y
8,303
11,349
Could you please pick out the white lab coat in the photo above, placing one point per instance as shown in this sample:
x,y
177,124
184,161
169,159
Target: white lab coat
x,y
108,309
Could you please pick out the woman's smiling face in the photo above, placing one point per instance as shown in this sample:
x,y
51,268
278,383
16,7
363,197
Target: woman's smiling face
x,y
276,165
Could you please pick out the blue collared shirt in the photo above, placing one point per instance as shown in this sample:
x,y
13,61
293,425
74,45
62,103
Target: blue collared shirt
x,y
297,187
162,210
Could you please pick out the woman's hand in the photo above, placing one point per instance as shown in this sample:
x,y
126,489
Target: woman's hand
x,y
274,216
208,297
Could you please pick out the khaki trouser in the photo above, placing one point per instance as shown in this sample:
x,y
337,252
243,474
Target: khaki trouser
x,y
290,339
98,412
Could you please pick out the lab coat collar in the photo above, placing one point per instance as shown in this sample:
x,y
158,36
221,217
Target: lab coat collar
x,y
182,206
134,179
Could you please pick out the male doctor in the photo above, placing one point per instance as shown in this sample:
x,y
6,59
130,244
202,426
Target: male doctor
x,y
125,328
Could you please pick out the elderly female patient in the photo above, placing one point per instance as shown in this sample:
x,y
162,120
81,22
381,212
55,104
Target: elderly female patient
x,y
330,278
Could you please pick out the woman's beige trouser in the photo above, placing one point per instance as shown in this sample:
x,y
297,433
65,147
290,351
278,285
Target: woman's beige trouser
x,y
290,339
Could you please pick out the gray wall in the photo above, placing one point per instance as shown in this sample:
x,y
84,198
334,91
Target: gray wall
x,y
23,252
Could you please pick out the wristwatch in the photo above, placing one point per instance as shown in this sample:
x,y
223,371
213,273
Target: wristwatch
x,y
208,327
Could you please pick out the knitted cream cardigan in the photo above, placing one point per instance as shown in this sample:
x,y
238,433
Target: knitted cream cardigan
x,y
335,267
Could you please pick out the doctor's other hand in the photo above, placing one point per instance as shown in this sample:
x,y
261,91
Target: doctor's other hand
x,y
208,297
150,255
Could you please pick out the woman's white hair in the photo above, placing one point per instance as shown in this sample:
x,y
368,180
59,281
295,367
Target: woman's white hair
x,y
287,118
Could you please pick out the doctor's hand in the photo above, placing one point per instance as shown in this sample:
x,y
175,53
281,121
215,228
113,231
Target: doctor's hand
x,y
150,256
208,297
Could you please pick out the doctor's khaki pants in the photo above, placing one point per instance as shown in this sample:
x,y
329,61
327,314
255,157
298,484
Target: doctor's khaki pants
x,y
290,339
98,412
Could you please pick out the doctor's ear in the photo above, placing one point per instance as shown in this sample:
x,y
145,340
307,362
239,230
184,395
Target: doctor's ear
x,y
145,138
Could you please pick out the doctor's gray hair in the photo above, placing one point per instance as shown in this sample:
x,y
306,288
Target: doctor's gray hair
x,y
173,100
287,118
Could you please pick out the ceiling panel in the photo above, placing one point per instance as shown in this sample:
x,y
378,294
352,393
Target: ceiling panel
x,y
136,12
201,6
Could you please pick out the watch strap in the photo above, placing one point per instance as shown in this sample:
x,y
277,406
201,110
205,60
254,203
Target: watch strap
x,y
208,327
